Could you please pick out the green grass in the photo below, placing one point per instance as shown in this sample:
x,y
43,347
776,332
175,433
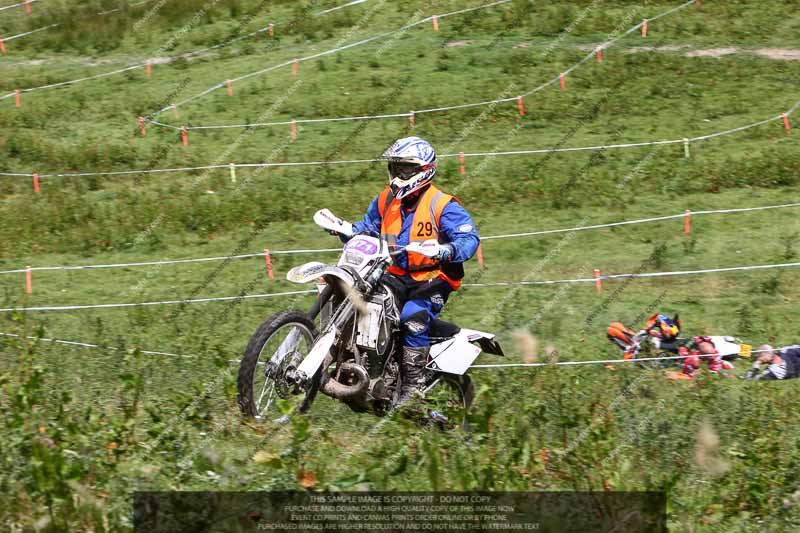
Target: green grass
x,y
174,422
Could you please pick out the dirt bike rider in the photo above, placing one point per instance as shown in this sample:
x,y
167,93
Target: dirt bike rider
x,y
658,326
411,209
783,364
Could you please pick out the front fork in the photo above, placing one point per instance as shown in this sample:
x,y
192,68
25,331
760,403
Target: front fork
x,y
300,377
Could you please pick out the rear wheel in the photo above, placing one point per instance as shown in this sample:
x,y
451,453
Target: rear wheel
x,y
447,399
278,345
464,390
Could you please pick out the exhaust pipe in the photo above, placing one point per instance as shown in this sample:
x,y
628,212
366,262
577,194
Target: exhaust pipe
x,y
339,390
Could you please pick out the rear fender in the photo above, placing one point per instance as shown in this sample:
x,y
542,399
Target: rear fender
x,y
485,341
456,355
729,346
453,356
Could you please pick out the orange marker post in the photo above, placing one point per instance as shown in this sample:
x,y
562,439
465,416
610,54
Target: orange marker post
x,y
599,55
598,283
271,30
17,99
562,81
435,23
687,222
644,28
411,119
520,106
36,183
229,83
142,129
28,284
2,46
268,260
295,65
175,111
184,136
294,130
462,168
480,256
697,3
148,69
28,7
786,124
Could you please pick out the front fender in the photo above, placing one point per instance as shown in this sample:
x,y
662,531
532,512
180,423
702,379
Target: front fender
x,y
315,270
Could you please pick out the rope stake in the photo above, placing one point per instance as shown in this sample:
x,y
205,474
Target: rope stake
x,y
268,261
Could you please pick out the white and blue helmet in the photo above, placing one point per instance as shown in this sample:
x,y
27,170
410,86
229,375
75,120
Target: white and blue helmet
x,y
412,164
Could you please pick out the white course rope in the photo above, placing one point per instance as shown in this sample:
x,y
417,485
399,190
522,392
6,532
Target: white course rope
x,y
37,30
624,276
337,8
602,361
685,140
207,167
541,87
498,365
86,345
184,55
143,2
20,4
490,284
175,261
166,302
326,250
638,221
325,53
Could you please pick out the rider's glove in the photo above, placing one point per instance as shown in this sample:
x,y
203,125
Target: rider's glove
x,y
754,371
446,252
433,249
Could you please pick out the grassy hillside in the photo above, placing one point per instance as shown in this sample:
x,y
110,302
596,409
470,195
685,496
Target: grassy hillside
x,y
84,427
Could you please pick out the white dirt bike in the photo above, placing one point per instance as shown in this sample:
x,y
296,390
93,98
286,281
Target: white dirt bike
x,y
353,354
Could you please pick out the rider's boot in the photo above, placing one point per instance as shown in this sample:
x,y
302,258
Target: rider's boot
x,y
412,372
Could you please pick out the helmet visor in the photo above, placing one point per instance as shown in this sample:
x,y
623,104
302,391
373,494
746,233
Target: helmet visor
x,y
403,170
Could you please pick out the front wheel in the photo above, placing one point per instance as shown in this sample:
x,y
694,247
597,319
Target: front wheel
x,y
278,345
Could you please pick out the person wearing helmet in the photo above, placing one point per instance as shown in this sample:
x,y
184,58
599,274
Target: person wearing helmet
x,y
662,329
700,348
411,209
783,364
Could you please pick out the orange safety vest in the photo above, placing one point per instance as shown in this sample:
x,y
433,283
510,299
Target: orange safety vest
x,y
425,225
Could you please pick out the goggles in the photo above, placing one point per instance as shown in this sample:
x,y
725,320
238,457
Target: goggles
x,y
403,170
